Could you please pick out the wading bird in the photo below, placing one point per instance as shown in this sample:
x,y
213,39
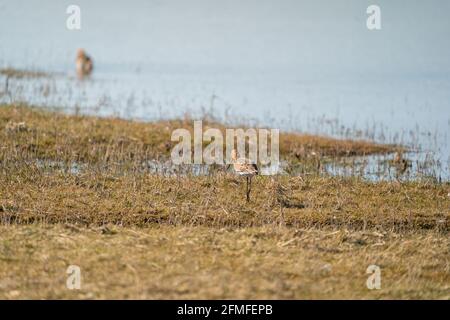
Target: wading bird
x,y
84,64
243,167
401,163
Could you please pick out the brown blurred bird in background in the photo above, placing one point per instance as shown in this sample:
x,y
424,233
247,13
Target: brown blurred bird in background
x,y
84,64
401,163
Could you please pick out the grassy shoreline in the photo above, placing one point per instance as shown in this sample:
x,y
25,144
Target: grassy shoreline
x,y
218,201
90,139
112,188
141,235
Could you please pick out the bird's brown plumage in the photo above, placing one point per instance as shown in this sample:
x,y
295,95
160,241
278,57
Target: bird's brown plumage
x,y
84,64
243,166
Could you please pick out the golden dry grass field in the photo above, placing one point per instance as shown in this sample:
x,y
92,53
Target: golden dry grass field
x,y
74,191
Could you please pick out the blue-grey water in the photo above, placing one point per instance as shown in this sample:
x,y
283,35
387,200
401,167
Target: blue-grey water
x,y
310,66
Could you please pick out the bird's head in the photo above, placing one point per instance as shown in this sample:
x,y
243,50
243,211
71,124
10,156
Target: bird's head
x,y
81,53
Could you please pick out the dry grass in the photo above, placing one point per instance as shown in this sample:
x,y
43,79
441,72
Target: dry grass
x,y
20,74
92,140
141,235
37,195
197,263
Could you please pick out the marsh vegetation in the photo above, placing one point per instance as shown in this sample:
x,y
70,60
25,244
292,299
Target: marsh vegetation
x,y
101,193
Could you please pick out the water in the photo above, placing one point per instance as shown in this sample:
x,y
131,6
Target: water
x,y
309,66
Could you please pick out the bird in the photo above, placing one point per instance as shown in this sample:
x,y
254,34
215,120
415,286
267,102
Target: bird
x,y
401,163
245,168
84,64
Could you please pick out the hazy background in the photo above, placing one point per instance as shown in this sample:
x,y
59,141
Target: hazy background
x,y
313,38
303,65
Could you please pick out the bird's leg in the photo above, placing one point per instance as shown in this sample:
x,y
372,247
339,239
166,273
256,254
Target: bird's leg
x,y
248,191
